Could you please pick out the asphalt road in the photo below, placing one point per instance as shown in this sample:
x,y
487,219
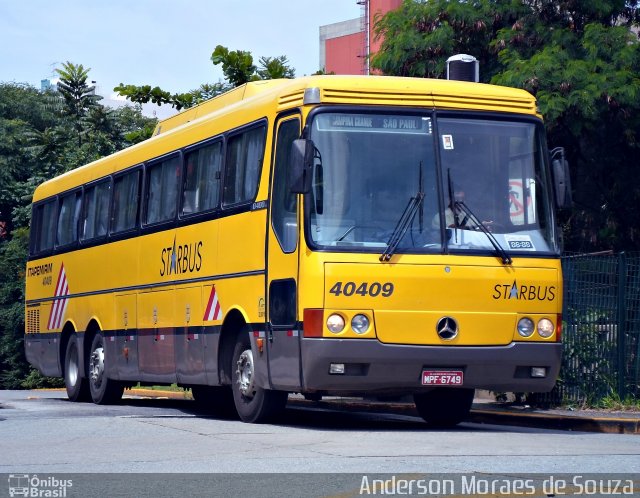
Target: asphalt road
x,y
41,431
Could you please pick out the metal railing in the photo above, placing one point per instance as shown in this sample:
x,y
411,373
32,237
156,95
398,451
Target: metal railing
x,y
601,332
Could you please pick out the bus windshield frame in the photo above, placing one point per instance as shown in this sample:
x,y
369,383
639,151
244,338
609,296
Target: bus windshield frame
x,y
455,170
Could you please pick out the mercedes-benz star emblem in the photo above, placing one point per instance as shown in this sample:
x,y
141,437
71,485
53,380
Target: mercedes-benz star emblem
x,y
447,328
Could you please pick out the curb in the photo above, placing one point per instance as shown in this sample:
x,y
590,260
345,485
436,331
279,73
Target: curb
x,y
496,415
158,393
479,414
609,425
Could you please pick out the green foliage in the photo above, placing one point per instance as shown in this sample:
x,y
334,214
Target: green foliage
x,y
420,36
207,91
273,68
585,73
145,94
78,96
38,140
237,67
322,72
13,255
615,403
581,61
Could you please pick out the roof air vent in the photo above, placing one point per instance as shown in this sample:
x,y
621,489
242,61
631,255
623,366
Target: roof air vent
x,y
463,67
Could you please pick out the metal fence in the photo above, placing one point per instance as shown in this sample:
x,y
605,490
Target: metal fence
x,y
601,333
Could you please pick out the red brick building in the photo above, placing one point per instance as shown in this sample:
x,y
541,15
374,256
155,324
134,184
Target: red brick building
x,y
345,47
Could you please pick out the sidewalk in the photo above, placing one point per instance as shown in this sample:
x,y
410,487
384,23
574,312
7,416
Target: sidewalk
x,y
484,411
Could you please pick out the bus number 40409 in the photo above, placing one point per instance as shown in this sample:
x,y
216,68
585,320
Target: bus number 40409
x,y
373,289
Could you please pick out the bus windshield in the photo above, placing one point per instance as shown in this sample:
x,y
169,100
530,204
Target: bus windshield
x,y
373,170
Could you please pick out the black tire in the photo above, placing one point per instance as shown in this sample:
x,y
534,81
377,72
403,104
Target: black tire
x,y
444,407
76,384
253,404
216,400
104,391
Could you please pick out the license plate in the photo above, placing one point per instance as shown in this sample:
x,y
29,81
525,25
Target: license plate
x,y
442,377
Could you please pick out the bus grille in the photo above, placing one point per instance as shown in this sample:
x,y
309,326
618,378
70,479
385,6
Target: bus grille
x,y
33,321
468,101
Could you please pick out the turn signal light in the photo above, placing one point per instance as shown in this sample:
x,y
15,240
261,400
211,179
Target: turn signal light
x,y
559,328
313,322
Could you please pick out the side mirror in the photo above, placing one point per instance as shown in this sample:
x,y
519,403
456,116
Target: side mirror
x,y
561,178
301,166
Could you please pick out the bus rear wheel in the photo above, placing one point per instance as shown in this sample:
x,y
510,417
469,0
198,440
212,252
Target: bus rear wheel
x,y
104,391
444,407
253,404
76,384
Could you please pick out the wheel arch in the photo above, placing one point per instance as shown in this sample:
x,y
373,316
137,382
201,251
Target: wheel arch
x,y
67,331
93,327
234,322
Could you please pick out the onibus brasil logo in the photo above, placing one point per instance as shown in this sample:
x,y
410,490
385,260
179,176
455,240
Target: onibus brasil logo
x,y
34,486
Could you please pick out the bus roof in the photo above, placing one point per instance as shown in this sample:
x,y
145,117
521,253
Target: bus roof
x,y
371,90
190,125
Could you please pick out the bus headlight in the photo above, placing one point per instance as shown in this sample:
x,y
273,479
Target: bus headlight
x,y
360,324
526,327
335,323
545,328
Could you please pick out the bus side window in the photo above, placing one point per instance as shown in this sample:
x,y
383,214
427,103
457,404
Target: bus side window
x,y
162,190
283,201
126,196
202,179
242,168
43,227
95,216
68,215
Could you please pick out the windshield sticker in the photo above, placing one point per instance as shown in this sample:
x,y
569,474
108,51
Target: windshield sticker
x,y
520,242
447,142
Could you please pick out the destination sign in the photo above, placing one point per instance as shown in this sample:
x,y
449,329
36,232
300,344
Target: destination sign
x,y
374,123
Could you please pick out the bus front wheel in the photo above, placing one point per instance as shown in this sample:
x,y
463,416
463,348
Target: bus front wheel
x,y
444,407
104,391
253,404
76,384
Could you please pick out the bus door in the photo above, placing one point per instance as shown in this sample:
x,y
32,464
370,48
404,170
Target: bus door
x,y
283,341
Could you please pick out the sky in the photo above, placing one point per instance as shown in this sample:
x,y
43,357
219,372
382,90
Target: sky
x,y
167,43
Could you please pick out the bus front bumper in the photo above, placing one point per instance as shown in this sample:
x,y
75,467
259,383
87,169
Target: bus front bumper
x,y
371,366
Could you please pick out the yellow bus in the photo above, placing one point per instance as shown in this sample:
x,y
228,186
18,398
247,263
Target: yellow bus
x,y
328,235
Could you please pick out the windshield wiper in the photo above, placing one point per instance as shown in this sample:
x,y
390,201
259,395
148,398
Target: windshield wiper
x,y
402,226
407,218
504,256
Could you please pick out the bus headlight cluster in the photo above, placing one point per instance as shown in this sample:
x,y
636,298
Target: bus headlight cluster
x,y
360,323
335,323
545,327
526,327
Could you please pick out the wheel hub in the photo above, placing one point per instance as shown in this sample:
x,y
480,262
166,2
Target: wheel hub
x,y
73,368
96,366
244,370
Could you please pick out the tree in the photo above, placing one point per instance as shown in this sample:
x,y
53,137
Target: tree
x,y
582,63
273,68
38,140
13,366
145,94
418,37
237,67
78,96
